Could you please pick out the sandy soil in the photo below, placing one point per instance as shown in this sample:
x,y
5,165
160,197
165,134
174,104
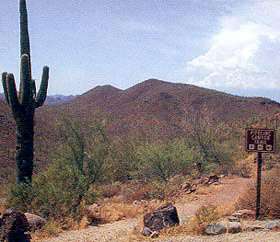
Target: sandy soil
x,y
187,205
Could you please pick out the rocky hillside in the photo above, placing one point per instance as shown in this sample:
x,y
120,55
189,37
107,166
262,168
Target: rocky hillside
x,y
155,108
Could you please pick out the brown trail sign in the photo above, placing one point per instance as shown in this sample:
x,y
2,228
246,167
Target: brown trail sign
x,y
260,141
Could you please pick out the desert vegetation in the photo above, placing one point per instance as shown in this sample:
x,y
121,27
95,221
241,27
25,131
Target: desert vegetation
x,y
98,161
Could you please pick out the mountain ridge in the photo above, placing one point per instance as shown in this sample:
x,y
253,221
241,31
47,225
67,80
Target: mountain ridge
x,y
154,108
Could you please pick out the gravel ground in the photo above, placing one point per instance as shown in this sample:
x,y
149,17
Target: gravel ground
x,y
260,236
114,232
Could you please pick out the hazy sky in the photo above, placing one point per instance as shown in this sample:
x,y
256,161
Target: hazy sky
x,y
229,45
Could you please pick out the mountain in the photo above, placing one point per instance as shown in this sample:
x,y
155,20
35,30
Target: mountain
x,y
153,108
58,99
162,107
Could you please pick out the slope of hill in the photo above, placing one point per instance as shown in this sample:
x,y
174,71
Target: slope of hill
x,y
153,108
163,107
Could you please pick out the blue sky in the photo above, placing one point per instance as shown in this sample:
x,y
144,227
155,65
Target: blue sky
x,y
228,45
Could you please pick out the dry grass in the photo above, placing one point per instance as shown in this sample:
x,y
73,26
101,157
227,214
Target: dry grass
x,y
196,224
270,195
114,211
51,229
244,167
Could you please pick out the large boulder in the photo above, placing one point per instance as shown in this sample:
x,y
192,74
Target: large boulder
x,y
35,222
164,216
14,227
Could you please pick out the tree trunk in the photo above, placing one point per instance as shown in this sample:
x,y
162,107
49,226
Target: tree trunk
x,y
24,148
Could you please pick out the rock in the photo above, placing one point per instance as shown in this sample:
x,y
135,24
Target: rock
x,y
245,214
233,219
164,216
215,229
216,183
273,225
254,227
93,213
234,227
155,234
14,227
146,231
186,186
189,188
35,222
213,179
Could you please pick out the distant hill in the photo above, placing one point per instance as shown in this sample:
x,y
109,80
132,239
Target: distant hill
x,y
154,108
58,99
52,99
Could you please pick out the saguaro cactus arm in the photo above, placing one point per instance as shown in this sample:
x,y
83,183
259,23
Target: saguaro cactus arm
x,y
42,93
4,77
25,81
12,93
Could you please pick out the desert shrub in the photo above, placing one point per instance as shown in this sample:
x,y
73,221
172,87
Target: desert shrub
x,y
204,216
270,195
55,193
214,145
143,191
86,146
163,160
21,196
110,190
244,167
122,160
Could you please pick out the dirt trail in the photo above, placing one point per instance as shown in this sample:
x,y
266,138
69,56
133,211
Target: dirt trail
x,y
226,193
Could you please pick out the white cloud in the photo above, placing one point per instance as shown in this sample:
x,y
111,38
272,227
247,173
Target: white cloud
x,y
244,53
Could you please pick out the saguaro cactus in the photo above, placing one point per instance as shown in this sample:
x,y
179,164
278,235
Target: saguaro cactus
x,y
24,102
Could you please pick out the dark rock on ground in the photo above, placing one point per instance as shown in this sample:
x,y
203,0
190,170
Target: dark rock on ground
x,y
164,216
14,227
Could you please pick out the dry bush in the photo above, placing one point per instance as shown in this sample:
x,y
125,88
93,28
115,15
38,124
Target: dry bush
x,y
50,229
226,209
115,211
244,167
196,225
204,216
137,191
111,190
270,195
2,207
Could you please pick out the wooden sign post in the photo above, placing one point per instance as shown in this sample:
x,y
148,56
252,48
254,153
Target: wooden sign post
x,y
260,141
